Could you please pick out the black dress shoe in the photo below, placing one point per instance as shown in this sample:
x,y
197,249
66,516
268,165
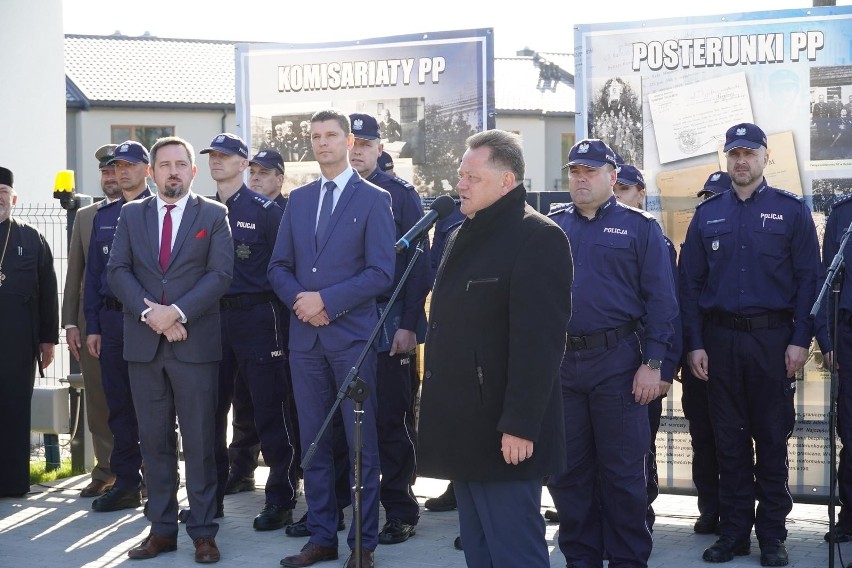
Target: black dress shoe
x,y
724,549
300,527
183,514
443,502
396,531
115,500
311,554
842,533
551,516
273,517
773,553
707,523
457,543
238,484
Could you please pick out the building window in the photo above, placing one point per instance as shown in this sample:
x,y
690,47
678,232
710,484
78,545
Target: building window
x,y
145,135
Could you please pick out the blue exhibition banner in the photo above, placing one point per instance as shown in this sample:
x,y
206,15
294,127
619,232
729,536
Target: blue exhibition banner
x,y
429,92
662,93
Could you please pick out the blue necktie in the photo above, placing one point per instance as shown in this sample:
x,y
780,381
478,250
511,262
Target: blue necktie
x,y
325,210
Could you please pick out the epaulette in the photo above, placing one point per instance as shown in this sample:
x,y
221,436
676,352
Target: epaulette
x,y
711,198
648,216
786,193
561,208
403,183
841,200
105,203
262,200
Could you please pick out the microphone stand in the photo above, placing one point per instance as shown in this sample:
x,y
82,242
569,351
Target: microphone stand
x,y
833,280
356,389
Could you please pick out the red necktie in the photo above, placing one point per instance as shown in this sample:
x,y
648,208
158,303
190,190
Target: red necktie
x,y
166,239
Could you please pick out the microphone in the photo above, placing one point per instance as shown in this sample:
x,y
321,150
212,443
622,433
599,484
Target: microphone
x,y
440,209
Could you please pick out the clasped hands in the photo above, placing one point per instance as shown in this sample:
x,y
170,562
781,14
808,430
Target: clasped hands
x,y
310,308
164,320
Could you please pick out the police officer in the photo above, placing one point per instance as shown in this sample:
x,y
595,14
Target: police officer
x,y
105,327
696,409
385,164
266,177
624,307
629,189
396,372
750,266
253,348
839,219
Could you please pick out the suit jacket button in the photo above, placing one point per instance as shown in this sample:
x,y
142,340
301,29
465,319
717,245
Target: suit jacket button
x,y
314,269
164,280
427,375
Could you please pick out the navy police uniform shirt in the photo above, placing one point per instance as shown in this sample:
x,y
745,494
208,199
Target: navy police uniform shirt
x,y
407,210
838,221
96,287
672,360
622,273
749,257
254,221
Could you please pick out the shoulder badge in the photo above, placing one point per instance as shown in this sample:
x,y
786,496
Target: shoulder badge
x,y
841,200
786,193
261,200
403,183
709,199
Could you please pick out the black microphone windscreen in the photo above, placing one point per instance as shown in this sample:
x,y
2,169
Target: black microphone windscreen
x,y
443,205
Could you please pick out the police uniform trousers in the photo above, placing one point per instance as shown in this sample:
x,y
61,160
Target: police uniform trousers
x,y
166,388
490,510
843,350
17,373
751,398
655,413
318,375
395,428
97,413
705,467
244,449
252,352
126,458
602,497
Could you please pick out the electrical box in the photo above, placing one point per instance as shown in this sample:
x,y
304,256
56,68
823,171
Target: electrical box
x,y
51,411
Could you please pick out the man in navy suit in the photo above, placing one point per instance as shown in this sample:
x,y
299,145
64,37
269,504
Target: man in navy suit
x,y
172,259
333,257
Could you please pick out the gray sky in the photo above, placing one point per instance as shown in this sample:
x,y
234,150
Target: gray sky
x,y
543,25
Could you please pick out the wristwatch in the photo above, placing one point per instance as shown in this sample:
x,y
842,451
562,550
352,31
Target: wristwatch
x,y
654,364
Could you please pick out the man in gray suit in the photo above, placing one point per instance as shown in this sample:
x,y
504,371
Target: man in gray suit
x,y
172,259
75,329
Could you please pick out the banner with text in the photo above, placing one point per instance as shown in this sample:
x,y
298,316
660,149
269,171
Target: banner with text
x,y
428,91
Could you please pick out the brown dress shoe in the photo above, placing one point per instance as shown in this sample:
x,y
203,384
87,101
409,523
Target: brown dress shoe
x,y
366,559
206,551
153,545
311,554
96,488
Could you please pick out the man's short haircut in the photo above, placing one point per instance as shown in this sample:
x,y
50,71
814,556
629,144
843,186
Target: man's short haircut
x,y
172,141
333,114
506,150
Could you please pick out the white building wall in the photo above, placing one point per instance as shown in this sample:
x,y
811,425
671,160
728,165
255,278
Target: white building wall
x,y
32,99
542,140
198,127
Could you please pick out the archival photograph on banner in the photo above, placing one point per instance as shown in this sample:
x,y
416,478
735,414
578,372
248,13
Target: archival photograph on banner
x,y
616,116
831,113
428,93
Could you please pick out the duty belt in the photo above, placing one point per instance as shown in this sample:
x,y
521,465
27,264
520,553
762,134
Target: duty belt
x,y
111,303
606,338
749,323
245,300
